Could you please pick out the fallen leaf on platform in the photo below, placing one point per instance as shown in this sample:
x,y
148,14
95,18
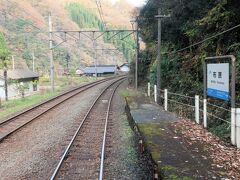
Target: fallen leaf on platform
x,y
222,154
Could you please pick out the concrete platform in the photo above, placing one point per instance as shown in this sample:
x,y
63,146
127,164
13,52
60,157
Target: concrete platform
x,y
171,154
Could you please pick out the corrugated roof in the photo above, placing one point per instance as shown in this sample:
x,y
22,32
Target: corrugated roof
x,y
100,69
19,74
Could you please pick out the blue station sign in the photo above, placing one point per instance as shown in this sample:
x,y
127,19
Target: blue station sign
x,y
218,81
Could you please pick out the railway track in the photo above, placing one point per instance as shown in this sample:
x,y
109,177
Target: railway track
x,y
84,155
13,124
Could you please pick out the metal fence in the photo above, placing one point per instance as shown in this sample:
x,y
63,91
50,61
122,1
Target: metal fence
x,y
195,108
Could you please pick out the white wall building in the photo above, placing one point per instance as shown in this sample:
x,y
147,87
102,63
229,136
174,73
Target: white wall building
x,y
15,77
125,67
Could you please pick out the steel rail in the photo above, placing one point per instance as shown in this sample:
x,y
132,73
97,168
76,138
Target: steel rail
x,y
57,169
86,87
105,133
49,100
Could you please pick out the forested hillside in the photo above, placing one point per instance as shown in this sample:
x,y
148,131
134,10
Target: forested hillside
x,y
25,26
195,30
86,18
190,22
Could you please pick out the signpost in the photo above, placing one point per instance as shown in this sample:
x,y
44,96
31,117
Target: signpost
x,y
216,72
218,81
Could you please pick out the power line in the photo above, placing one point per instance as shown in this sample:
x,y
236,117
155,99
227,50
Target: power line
x,y
207,39
100,5
30,23
148,3
99,11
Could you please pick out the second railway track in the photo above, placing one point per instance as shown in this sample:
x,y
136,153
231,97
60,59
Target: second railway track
x,y
84,155
20,120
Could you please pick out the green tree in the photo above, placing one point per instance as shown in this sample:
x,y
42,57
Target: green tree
x,y
190,22
4,53
86,18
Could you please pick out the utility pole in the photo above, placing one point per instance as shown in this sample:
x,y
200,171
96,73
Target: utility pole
x,y
67,61
103,59
114,61
80,50
137,56
137,52
5,79
107,54
51,51
95,54
13,62
159,17
33,62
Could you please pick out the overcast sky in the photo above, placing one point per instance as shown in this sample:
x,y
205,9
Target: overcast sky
x,y
137,2
134,2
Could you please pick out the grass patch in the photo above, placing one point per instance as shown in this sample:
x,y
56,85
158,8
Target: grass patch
x,y
168,168
15,105
150,129
62,83
127,93
65,81
175,177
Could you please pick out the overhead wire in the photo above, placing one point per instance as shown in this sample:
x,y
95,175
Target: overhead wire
x,y
204,40
100,12
32,24
148,3
197,43
100,5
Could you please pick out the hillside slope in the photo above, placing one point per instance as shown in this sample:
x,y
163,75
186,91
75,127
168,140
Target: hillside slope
x,y
25,24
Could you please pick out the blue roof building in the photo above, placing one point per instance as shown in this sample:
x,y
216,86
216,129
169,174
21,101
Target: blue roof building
x,y
100,70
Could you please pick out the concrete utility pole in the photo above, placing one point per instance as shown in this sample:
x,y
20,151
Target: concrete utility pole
x,y
13,62
51,51
33,62
95,54
80,50
159,17
137,53
5,80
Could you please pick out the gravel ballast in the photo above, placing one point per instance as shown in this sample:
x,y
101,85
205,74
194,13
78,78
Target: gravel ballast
x,y
33,152
123,160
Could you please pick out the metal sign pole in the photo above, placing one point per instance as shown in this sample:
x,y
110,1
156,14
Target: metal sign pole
x,y
233,91
205,94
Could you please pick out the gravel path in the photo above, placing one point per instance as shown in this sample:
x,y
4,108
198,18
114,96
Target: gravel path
x,y
33,151
122,158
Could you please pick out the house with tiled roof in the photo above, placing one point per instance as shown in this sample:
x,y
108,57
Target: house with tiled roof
x,y
16,77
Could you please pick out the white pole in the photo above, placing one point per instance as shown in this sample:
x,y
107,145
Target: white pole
x,y
238,128
51,51
33,62
233,126
205,113
13,62
149,89
197,109
165,99
155,93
